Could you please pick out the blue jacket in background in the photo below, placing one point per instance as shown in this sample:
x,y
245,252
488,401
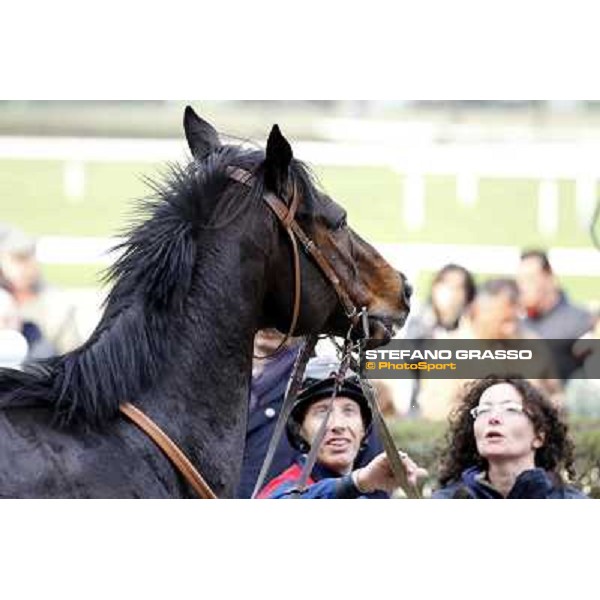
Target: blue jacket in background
x,y
267,391
534,483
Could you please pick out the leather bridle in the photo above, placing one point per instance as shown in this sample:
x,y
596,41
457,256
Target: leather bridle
x,y
287,218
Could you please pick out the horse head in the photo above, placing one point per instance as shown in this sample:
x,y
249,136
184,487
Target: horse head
x,y
368,279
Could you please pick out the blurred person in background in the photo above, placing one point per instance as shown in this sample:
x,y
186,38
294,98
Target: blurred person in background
x,y
548,311
583,389
53,323
452,291
341,469
493,315
506,440
13,345
37,347
384,391
19,269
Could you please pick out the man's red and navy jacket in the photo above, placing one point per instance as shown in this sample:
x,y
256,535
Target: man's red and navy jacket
x,y
323,484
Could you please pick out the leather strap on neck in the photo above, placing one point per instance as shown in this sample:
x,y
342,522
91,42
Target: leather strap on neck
x,y
174,454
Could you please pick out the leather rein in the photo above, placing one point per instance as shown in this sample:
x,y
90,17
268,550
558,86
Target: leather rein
x,y
286,216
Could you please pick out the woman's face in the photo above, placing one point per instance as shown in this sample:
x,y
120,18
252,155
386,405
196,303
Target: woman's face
x,y
448,295
344,434
503,431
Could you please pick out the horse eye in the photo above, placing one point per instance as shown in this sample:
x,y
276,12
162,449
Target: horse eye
x,y
342,223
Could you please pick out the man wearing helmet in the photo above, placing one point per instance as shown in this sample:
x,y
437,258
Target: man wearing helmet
x,y
349,423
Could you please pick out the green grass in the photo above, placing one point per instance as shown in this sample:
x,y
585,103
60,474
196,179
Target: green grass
x,y
72,276
505,213
32,196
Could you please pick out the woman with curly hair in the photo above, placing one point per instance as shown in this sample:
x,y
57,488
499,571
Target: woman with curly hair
x,y
506,440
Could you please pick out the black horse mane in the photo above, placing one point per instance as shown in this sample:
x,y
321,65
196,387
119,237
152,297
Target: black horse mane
x,y
151,279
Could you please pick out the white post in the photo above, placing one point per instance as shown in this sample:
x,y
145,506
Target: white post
x,y
74,180
585,201
547,216
467,188
413,210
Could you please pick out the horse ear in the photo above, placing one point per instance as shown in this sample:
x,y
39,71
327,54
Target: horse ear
x,y
201,136
279,156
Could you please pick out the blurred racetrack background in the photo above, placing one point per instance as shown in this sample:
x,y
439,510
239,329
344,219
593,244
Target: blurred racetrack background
x,y
426,182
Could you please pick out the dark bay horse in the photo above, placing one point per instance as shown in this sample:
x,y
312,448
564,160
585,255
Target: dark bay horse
x,y
207,266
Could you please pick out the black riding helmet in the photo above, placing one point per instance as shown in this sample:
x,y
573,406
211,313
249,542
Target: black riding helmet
x,y
317,389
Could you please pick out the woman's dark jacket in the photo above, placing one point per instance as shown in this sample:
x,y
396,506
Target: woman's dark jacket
x,y
534,483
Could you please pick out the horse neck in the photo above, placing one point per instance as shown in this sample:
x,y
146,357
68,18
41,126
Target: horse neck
x,y
202,399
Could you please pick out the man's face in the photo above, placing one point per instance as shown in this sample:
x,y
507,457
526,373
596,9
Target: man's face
x,y
534,283
448,295
344,434
495,317
21,270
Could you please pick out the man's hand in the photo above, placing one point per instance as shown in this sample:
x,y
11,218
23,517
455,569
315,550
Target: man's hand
x,y
377,475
